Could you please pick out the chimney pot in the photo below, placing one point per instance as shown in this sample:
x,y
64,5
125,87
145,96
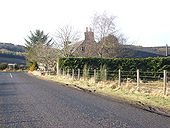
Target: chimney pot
x,y
86,29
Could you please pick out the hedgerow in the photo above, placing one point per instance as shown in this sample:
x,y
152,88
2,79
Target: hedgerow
x,y
157,64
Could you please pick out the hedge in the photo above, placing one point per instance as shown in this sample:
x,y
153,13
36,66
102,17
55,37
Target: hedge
x,y
157,64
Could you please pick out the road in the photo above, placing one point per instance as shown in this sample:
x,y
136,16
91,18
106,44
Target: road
x,y
28,102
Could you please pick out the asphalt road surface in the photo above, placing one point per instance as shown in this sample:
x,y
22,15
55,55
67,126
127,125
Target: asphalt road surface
x,y
28,102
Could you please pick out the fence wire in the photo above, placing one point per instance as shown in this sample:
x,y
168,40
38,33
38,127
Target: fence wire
x,y
146,80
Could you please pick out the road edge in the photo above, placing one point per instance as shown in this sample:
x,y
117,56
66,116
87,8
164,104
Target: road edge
x,y
136,104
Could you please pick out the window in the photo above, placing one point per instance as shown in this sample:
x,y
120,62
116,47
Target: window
x,y
82,49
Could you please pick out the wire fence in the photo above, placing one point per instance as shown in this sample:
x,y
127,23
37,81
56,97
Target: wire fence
x,y
147,81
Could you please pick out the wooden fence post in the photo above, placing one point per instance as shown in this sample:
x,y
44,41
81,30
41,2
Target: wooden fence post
x,y
72,73
105,71
165,82
138,79
119,82
95,75
68,71
58,72
63,72
78,74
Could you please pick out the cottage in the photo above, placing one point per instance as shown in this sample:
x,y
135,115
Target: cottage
x,y
87,47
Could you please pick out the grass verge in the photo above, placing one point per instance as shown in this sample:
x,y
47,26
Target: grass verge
x,y
110,88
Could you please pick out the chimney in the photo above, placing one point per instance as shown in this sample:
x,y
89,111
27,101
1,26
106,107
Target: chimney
x,y
90,30
86,29
89,35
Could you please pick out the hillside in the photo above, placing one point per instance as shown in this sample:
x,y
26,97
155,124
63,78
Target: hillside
x,y
161,50
10,53
12,47
132,51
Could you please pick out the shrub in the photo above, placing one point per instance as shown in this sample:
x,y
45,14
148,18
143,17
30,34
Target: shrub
x,y
3,66
33,67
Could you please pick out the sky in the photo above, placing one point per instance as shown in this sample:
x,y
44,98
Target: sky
x,y
143,22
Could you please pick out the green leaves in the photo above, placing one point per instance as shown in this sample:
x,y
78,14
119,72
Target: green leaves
x,y
145,64
36,44
35,38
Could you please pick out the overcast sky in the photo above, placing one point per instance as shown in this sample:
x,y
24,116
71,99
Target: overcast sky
x,y
143,22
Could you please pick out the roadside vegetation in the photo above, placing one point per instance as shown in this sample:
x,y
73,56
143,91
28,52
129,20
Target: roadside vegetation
x,y
101,75
149,64
127,91
5,67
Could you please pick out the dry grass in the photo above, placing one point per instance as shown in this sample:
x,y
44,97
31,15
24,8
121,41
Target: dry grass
x,y
12,70
147,94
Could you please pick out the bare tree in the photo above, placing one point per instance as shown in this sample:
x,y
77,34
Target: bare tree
x,y
106,34
46,55
103,25
108,46
64,37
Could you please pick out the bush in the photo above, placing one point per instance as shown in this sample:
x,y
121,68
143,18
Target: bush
x,y
3,66
33,67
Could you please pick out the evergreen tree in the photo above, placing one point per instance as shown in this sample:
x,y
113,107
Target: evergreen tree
x,y
37,37
36,42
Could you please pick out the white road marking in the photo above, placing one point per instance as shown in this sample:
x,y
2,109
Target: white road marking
x,y
11,75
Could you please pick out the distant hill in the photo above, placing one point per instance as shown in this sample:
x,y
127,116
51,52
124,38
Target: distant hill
x,y
10,53
136,53
161,50
9,58
132,51
12,47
